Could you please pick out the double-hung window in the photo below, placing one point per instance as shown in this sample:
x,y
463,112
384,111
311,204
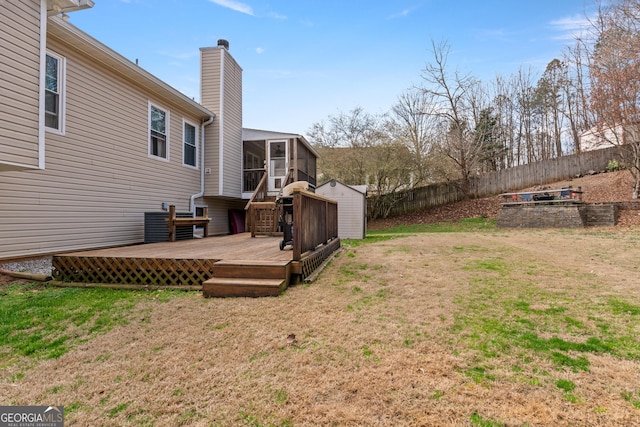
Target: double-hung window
x,y
158,132
53,92
190,146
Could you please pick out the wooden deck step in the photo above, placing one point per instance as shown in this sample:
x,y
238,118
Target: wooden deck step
x,y
243,287
254,269
248,278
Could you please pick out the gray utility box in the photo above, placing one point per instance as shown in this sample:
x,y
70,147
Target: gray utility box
x,y
156,228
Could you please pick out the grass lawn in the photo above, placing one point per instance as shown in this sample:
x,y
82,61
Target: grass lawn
x,y
448,324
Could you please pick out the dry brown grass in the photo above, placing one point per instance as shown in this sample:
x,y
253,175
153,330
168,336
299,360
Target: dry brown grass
x,y
385,337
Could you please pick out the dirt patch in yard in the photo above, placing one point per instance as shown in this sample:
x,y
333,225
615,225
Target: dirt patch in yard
x,y
499,328
6,279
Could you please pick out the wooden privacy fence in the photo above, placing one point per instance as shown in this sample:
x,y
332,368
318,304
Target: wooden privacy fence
x,y
543,172
315,221
505,180
416,199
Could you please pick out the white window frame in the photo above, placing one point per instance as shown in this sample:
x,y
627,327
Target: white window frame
x,y
185,143
62,80
167,132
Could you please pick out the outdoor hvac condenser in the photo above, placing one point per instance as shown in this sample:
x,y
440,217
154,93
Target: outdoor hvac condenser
x,y
156,229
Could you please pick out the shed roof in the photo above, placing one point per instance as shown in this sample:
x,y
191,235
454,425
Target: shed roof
x,y
359,188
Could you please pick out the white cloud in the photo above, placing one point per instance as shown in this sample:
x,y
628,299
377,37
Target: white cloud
x,y
571,27
276,15
234,5
259,50
571,22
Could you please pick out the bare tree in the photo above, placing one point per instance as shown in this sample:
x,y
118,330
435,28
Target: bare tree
x,y
355,148
458,100
523,88
388,162
577,111
504,109
342,142
413,124
615,80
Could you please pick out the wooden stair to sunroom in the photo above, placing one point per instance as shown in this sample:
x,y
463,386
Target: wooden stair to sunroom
x,y
250,278
262,217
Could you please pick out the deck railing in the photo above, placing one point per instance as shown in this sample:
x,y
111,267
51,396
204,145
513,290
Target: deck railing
x,y
315,221
259,195
260,192
251,179
262,219
262,216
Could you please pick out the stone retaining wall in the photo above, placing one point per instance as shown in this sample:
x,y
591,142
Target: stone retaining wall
x,y
542,216
601,215
557,216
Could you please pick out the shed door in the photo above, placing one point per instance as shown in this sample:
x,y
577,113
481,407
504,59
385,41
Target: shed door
x,y
277,164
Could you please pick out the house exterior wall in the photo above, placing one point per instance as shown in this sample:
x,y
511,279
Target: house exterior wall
x,y
219,213
21,25
221,93
593,139
232,150
352,215
210,93
99,178
606,137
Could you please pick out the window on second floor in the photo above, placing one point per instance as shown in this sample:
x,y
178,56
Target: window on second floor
x,y
53,92
190,145
158,132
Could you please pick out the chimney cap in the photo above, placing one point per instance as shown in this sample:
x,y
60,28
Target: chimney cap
x,y
223,43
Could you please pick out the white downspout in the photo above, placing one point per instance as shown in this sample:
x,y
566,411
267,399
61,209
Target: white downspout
x,y
42,76
192,199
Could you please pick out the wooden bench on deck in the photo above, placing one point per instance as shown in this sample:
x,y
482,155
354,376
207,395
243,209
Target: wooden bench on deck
x,y
173,222
553,196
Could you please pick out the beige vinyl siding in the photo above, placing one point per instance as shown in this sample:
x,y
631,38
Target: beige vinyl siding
x,y
228,109
219,213
210,65
19,84
232,160
99,179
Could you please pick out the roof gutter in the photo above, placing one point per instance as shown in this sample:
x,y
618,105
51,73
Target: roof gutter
x,y
74,37
192,199
56,7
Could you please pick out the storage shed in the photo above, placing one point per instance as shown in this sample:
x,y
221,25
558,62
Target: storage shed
x,y
352,207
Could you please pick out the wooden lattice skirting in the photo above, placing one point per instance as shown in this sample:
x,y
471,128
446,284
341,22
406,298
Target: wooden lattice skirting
x,y
315,259
138,271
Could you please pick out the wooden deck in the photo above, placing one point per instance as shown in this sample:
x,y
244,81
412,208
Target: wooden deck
x,y
234,265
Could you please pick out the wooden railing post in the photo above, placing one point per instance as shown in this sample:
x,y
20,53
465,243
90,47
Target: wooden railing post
x,y
205,226
171,224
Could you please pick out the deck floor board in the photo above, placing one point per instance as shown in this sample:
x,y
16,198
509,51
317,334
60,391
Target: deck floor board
x,y
240,265
232,247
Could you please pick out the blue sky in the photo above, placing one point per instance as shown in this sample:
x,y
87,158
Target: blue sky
x,y
304,60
